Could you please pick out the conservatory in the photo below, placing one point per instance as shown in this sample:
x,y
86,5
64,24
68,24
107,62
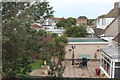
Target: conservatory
x,y
110,62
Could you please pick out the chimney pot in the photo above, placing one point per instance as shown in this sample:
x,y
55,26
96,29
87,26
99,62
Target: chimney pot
x,y
116,5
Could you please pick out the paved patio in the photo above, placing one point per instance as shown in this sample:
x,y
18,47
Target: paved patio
x,y
75,71
37,72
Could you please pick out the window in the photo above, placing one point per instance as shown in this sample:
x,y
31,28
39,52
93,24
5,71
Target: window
x,y
103,21
105,63
117,73
117,63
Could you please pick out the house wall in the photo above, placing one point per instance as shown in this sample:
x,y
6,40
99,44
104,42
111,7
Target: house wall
x,y
89,49
81,21
113,29
49,22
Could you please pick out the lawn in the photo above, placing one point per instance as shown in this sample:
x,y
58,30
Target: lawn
x,y
37,65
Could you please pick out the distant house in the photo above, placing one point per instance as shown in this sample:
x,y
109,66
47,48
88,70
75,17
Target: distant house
x,y
49,22
81,21
49,25
110,62
55,19
58,31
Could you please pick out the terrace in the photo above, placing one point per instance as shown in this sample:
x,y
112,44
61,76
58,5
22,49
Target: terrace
x,y
76,72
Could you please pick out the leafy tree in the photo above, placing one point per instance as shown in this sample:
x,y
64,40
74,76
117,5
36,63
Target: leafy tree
x,y
82,17
76,31
61,23
56,66
70,21
19,39
54,35
90,22
66,22
40,11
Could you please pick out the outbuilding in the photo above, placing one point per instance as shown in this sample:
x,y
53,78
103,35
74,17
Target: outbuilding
x,y
110,62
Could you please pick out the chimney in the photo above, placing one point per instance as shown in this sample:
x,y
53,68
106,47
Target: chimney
x,y
119,4
116,5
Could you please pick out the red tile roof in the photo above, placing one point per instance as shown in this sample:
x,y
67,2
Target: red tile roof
x,y
117,38
57,19
36,26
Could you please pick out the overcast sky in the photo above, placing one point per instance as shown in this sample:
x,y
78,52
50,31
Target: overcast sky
x,y
76,8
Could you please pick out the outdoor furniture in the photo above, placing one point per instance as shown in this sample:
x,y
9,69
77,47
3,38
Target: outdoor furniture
x,y
84,63
80,56
76,62
84,59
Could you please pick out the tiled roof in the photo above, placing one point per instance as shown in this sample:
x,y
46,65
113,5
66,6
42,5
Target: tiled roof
x,y
117,38
114,13
36,26
55,18
98,31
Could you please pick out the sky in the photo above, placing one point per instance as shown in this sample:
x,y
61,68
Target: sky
x,y
75,8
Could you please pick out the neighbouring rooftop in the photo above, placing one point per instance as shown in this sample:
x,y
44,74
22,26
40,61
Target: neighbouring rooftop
x,y
85,40
112,52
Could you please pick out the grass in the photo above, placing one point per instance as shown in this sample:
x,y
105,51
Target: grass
x,y
37,65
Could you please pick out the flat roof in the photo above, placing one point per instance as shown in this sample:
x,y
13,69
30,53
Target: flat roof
x,y
112,52
85,40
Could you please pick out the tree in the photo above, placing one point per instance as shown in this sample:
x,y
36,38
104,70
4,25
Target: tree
x,y
40,11
82,17
56,66
19,39
70,21
90,22
76,31
61,23
66,22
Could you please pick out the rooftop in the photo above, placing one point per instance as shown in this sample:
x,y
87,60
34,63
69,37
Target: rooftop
x,y
112,52
85,40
